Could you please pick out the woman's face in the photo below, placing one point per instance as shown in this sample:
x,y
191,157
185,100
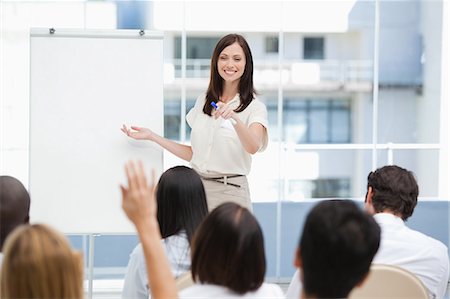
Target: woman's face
x,y
231,63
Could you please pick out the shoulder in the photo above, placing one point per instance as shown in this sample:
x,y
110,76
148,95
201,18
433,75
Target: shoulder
x,y
204,291
138,251
256,104
269,290
197,109
178,239
201,99
433,243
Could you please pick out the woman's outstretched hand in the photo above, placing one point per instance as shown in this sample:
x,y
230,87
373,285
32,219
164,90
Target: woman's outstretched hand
x,y
138,133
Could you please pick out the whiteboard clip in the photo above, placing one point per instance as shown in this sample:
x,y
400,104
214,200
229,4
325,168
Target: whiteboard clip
x,y
51,30
141,32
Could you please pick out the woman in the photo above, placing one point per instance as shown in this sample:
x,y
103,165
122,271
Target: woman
x,y
228,126
182,206
227,250
228,259
38,262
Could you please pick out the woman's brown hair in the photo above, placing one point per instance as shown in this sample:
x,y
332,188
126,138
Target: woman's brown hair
x,y
246,89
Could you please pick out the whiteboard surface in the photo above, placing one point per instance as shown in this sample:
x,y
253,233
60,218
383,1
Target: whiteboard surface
x,y
84,85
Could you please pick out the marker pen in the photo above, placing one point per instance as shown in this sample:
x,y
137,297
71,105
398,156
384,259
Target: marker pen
x,y
233,122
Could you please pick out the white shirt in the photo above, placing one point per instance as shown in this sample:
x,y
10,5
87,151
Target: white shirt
x,y
401,246
136,282
214,291
295,287
216,148
418,253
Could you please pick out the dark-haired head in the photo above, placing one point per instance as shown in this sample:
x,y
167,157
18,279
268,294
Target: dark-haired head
x,y
392,189
14,206
336,248
228,250
181,201
246,89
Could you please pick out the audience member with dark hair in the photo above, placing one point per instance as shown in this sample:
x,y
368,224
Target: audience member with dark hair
x,y
336,248
228,258
236,269
181,208
391,197
14,207
39,263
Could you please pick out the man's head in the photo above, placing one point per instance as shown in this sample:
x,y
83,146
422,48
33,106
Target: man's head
x,y
14,206
336,248
392,189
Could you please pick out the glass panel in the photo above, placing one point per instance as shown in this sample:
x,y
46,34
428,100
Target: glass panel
x,y
317,121
295,122
132,14
324,173
271,101
264,176
424,164
172,119
111,255
410,72
340,126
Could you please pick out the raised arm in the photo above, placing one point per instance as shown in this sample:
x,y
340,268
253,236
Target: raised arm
x,y
139,204
180,150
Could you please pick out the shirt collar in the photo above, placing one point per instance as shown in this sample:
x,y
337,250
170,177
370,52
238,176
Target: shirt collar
x,y
388,218
234,100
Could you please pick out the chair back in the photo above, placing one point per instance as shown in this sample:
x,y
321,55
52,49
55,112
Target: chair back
x,y
184,281
387,281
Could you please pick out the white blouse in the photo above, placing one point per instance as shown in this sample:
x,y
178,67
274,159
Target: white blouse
x,y
177,250
215,144
214,291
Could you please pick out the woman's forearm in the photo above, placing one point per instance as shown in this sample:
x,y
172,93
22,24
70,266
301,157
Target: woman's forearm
x,y
251,137
180,150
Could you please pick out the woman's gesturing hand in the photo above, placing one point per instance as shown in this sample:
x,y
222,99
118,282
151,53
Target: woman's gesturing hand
x,y
138,133
224,111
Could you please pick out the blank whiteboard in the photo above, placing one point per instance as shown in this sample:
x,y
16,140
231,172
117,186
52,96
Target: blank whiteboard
x,y
83,86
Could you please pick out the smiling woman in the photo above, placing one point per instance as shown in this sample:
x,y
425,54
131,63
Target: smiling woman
x,y
224,135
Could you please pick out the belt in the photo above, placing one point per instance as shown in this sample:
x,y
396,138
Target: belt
x,y
224,179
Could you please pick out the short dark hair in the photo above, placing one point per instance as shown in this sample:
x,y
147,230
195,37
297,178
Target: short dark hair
x,y
337,246
394,189
246,88
181,201
228,250
14,206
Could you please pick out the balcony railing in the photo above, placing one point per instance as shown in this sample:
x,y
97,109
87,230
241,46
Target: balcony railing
x,y
297,72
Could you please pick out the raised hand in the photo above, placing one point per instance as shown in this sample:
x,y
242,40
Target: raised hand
x,y
138,133
138,200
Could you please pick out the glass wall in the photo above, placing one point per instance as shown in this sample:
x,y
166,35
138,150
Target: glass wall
x,y
349,87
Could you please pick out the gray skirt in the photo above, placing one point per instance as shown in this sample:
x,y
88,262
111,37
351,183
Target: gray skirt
x,y
227,189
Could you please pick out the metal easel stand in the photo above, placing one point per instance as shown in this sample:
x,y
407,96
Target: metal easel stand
x,y
91,264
